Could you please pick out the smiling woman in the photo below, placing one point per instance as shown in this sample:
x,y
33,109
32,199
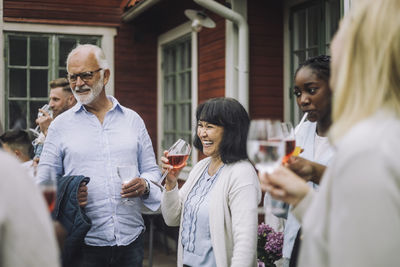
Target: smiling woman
x,y
217,206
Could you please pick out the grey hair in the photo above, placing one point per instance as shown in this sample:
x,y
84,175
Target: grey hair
x,y
98,53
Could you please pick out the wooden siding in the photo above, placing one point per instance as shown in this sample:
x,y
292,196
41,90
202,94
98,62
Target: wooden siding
x,y
265,20
211,60
73,12
136,75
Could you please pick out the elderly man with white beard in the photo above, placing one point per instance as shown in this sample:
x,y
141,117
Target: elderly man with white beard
x,y
92,139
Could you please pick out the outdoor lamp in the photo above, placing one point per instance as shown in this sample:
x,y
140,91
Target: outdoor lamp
x,y
199,19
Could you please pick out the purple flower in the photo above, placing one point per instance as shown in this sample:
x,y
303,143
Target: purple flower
x,y
269,245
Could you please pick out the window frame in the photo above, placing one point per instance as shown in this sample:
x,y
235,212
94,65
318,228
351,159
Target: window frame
x,y
168,37
106,35
53,67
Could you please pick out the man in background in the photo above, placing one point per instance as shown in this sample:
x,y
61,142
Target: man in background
x,y
60,100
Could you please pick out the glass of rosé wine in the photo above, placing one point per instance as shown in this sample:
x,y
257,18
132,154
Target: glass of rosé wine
x,y
49,189
177,155
266,149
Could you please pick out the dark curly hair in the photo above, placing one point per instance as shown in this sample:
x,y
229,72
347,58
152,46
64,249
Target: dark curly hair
x,y
230,114
319,64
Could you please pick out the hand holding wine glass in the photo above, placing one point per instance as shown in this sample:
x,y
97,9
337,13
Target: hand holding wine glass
x,y
176,157
44,118
126,173
266,149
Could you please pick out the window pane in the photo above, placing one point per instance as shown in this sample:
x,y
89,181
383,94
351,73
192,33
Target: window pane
x,y
38,84
17,47
66,46
186,116
169,140
34,107
188,55
299,30
17,114
185,86
39,51
88,41
169,117
312,52
333,12
171,61
182,56
314,13
62,73
17,82
299,57
169,90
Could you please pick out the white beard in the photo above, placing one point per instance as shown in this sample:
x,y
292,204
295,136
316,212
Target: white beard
x,y
93,93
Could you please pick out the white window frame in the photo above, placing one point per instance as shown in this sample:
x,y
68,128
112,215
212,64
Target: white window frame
x,y
165,38
107,43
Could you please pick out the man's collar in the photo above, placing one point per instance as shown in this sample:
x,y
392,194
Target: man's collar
x,y
115,105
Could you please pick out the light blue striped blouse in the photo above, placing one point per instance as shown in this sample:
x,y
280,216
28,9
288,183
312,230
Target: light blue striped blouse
x,y
196,239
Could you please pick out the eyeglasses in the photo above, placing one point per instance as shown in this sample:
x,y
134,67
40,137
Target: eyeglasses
x,y
85,76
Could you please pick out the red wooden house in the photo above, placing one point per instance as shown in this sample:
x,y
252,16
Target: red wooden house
x,y
160,67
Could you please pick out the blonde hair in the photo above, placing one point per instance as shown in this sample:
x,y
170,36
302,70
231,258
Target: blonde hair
x,y
367,76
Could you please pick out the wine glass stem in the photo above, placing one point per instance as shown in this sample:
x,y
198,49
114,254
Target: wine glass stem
x,y
163,176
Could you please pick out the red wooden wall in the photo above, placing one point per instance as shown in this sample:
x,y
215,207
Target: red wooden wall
x,y
77,12
265,20
211,60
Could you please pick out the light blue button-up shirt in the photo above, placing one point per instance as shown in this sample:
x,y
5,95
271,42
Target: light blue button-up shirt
x,y
78,144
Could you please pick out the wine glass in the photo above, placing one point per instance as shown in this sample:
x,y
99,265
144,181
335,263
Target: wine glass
x,y
49,189
47,108
266,149
126,173
290,140
177,155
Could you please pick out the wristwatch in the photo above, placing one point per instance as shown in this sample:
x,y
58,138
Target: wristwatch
x,y
147,189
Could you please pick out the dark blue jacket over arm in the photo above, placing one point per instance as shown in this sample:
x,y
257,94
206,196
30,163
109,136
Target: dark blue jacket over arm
x,y
72,217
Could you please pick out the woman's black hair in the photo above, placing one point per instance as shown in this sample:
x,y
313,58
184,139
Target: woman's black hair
x,y
320,65
230,114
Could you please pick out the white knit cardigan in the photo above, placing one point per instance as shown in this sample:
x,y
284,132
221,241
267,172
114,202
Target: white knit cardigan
x,y
232,212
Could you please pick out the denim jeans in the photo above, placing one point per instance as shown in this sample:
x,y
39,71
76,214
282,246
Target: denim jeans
x,y
114,256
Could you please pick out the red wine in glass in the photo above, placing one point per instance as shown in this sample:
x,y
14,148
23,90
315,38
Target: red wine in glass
x,y
177,160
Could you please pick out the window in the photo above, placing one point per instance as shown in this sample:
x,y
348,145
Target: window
x,y
177,91
312,26
31,61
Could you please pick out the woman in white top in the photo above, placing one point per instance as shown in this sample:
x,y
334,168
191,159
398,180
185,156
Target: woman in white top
x,y
313,96
216,208
354,220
